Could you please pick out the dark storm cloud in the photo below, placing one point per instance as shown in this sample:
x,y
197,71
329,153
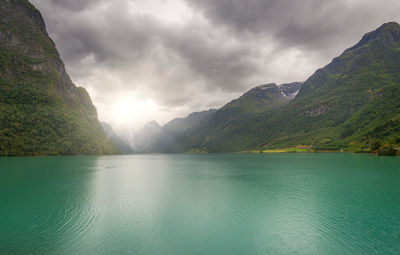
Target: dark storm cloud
x,y
219,49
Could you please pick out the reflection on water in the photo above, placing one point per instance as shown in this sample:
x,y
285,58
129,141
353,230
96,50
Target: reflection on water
x,y
200,204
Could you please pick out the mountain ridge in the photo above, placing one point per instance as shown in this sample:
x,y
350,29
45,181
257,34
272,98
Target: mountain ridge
x,y
383,32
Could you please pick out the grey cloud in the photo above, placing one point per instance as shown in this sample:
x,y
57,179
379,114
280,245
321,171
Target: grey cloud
x,y
220,65
188,55
113,37
75,5
223,49
309,24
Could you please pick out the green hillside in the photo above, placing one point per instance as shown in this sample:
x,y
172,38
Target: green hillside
x,y
42,111
344,106
257,100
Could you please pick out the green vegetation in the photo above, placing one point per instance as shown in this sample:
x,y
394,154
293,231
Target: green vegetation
x,y
298,149
343,106
380,148
41,111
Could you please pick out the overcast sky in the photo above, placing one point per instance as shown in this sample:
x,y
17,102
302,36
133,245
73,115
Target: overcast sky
x,y
159,59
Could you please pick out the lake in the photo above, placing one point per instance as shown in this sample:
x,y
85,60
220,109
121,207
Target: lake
x,y
201,204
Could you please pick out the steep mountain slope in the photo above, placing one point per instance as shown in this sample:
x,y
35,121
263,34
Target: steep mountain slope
x,y
143,139
42,111
344,105
339,105
117,141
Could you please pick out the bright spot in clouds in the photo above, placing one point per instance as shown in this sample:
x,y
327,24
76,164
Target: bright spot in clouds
x,y
125,110
172,11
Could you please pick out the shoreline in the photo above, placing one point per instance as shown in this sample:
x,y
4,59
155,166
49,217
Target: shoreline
x,y
269,151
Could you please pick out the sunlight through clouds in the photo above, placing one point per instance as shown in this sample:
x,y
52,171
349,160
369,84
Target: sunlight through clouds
x,y
189,55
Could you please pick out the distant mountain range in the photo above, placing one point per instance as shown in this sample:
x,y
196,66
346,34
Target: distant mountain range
x,y
42,111
347,105
154,138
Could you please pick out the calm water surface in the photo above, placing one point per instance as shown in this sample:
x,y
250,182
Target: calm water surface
x,y
200,204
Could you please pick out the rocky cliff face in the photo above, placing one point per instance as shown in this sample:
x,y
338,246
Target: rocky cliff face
x,y
43,112
23,32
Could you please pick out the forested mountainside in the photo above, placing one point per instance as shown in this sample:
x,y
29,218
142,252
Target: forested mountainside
x,y
42,111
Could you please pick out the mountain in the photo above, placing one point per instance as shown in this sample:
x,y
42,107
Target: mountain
x,y
117,141
169,135
343,106
42,111
348,102
179,125
143,140
257,100
154,138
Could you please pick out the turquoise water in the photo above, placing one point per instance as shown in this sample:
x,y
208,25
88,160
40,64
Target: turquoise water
x,y
200,204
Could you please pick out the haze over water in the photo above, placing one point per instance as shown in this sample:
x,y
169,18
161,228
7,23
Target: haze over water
x,y
200,204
